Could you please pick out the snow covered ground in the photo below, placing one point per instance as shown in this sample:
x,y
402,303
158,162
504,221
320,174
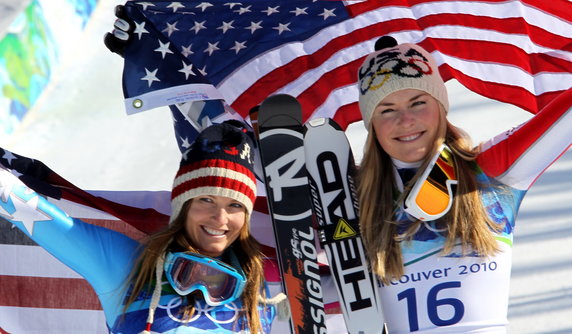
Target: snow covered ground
x,y
79,128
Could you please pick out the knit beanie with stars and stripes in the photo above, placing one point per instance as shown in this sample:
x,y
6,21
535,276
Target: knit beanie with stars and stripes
x,y
220,162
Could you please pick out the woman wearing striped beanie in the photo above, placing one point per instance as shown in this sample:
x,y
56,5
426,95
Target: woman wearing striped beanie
x,y
212,200
203,273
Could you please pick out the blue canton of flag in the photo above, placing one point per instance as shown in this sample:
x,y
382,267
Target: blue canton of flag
x,y
149,76
219,36
180,48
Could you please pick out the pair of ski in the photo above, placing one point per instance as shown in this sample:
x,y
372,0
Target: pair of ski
x,y
309,177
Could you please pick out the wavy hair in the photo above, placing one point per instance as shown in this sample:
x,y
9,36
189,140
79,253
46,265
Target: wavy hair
x,y
467,221
173,239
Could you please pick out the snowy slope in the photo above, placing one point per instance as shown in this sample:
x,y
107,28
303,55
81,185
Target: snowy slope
x,y
79,129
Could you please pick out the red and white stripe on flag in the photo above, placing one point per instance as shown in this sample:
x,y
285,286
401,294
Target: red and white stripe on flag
x,y
515,51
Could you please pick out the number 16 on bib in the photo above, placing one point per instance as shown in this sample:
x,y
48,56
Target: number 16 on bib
x,y
330,166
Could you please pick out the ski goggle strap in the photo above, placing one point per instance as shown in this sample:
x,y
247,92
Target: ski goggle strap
x,y
219,283
432,195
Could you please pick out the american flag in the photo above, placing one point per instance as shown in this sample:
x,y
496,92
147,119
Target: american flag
x,y
518,52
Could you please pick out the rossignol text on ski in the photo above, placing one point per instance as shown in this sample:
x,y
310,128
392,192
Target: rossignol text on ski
x,y
281,145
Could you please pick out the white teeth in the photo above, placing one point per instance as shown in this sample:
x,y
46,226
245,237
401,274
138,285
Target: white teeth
x,y
213,232
409,138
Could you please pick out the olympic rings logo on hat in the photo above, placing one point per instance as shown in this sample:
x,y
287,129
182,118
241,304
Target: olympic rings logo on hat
x,y
378,71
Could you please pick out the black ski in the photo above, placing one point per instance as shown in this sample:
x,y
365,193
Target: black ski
x,y
281,145
331,169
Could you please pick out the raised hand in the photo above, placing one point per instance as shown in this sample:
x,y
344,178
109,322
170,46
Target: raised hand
x,y
117,39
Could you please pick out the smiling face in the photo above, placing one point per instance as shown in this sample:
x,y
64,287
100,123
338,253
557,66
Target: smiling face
x,y
406,124
214,222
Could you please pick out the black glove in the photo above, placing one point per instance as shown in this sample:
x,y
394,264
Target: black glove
x,y
117,40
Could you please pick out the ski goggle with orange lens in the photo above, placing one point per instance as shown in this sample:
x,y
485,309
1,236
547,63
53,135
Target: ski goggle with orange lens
x,y
219,282
432,195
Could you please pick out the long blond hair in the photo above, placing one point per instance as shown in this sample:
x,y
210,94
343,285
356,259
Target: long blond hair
x,y
173,238
467,221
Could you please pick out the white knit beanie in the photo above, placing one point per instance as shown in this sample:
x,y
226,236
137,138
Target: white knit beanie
x,y
394,67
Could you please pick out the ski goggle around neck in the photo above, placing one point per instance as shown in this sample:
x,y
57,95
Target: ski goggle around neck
x,y
432,195
219,282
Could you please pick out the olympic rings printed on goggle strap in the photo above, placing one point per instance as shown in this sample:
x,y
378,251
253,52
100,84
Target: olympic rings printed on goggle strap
x,y
411,64
202,310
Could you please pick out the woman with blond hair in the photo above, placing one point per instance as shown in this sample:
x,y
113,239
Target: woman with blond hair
x,y
437,214
201,274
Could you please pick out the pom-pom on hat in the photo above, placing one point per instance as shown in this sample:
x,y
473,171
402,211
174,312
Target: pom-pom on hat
x,y
393,67
220,162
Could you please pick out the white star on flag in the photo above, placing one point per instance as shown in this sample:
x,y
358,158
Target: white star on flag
x,y
171,28
175,6
254,26
140,29
185,142
282,27
299,11
145,4
187,70
164,49
211,48
327,13
271,10
198,26
9,157
204,5
150,76
238,46
232,4
226,26
243,10
187,51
